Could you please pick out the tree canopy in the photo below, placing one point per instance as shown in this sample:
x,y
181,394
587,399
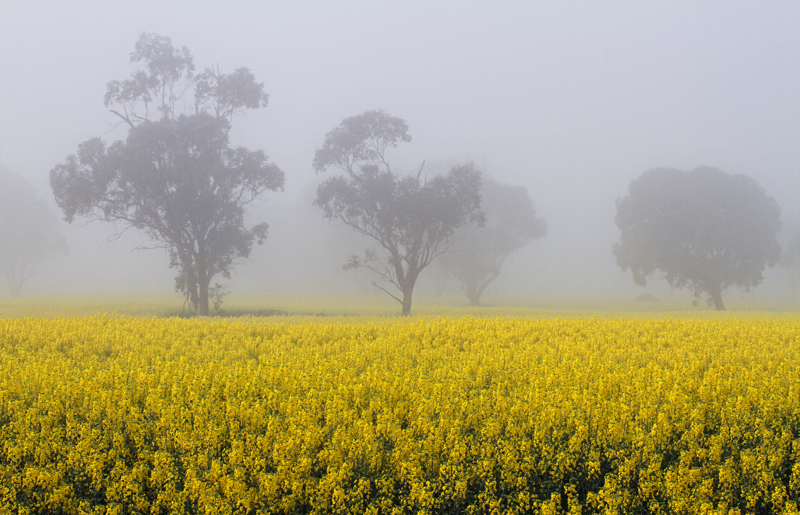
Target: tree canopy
x,y
478,252
175,176
28,231
410,218
703,229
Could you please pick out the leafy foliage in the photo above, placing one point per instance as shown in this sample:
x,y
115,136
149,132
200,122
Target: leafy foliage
x,y
175,177
410,218
704,229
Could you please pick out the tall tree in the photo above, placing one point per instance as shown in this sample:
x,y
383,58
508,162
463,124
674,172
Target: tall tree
x,y
175,176
28,231
704,229
410,218
478,253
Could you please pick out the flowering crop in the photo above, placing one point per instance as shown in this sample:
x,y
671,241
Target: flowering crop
x,y
119,415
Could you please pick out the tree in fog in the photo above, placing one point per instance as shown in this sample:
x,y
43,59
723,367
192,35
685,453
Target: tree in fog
x,y
478,252
175,176
28,231
410,218
704,229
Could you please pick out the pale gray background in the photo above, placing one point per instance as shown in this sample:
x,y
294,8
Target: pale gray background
x,y
571,99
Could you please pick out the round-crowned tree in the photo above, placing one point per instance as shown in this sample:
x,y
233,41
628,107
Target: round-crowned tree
x,y
703,229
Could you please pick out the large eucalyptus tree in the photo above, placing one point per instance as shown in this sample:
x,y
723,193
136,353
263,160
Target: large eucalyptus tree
x,y
176,176
411,218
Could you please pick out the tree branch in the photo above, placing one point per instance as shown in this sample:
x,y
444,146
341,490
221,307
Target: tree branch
x,y
124,118
387,292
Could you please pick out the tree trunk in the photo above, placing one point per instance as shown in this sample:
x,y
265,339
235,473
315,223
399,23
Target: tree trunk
x,y
473,295
202,301
474,288
407,300
407,287
716,298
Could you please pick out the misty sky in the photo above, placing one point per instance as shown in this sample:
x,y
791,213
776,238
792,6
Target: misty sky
x,y
572,100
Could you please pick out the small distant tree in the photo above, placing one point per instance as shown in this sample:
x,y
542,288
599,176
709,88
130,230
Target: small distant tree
x,y
175,177
411,218
28,232
217,294
704,229
478,253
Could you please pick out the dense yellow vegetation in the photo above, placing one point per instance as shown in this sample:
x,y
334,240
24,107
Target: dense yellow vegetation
x,y
122,415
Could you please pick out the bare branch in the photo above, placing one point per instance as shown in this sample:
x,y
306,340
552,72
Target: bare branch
x,y
387,292
124,118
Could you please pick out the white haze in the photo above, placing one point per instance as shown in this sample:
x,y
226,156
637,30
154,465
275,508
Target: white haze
x,y
571,99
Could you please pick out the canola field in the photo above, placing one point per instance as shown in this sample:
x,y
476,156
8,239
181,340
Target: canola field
x,y
120,415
